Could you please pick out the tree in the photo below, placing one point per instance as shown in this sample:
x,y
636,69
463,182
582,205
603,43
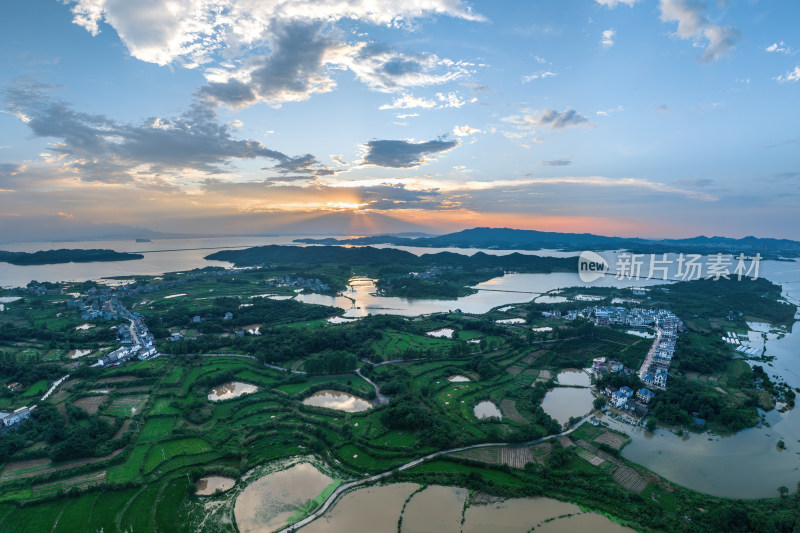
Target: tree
x,y
599,403
783,490
652,423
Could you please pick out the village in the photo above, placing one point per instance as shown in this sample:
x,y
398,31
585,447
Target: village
x,y
654,371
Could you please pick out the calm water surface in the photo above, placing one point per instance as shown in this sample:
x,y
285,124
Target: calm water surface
x,y
747,464
341,401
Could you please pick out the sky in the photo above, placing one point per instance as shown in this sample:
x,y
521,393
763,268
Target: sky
x,y
636,118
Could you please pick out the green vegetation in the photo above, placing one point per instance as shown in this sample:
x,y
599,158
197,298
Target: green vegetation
x,y
127,459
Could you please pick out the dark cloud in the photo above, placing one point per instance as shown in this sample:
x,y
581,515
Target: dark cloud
x,y
303,164
388,197
403,154
100,148
556,163
232,92
291,72
558,119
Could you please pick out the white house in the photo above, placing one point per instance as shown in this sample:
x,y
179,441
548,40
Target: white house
x,y
619,399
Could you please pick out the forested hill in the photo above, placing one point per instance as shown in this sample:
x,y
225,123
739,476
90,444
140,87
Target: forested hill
x,y
515,239
389,257
53,257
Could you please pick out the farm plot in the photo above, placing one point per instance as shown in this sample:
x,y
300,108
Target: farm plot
x,y
488,454
65,485
590,457
90,404
629,479
612,439
516,456
509,409
156,429
167,450
126,405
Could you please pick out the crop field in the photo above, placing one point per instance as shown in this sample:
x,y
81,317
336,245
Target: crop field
x,y
615,440
629,478
167,450
156,429
90,404
129,469
394,343
125,406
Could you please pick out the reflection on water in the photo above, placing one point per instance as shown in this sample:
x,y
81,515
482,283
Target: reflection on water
x,y
444,333
341,401
562,403
359,299
234,389
211,484
487,409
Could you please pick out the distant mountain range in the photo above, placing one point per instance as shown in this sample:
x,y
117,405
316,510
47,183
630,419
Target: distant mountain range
x,y
516,239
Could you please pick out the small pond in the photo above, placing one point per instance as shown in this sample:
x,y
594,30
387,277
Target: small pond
x,y
487,409
340,401
574,378
211,484
511,321
445,333
562,403
458,378
233,389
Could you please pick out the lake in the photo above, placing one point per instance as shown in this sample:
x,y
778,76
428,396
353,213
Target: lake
x,y
747,464
360,298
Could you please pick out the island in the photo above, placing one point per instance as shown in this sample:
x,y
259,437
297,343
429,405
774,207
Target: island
x,y
55,257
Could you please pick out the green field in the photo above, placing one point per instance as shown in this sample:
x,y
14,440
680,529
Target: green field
x,y
159,453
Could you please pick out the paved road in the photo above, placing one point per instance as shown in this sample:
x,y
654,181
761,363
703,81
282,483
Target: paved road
x,y
380,399
347,486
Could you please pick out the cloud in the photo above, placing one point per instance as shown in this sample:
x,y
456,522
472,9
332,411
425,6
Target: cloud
x,y
192,31
384,69
96,147
779,48
403,154
292,72
607,112
792,76
409,101
693,24
608,38
464,131
614,3
556,163
538,76
551,118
